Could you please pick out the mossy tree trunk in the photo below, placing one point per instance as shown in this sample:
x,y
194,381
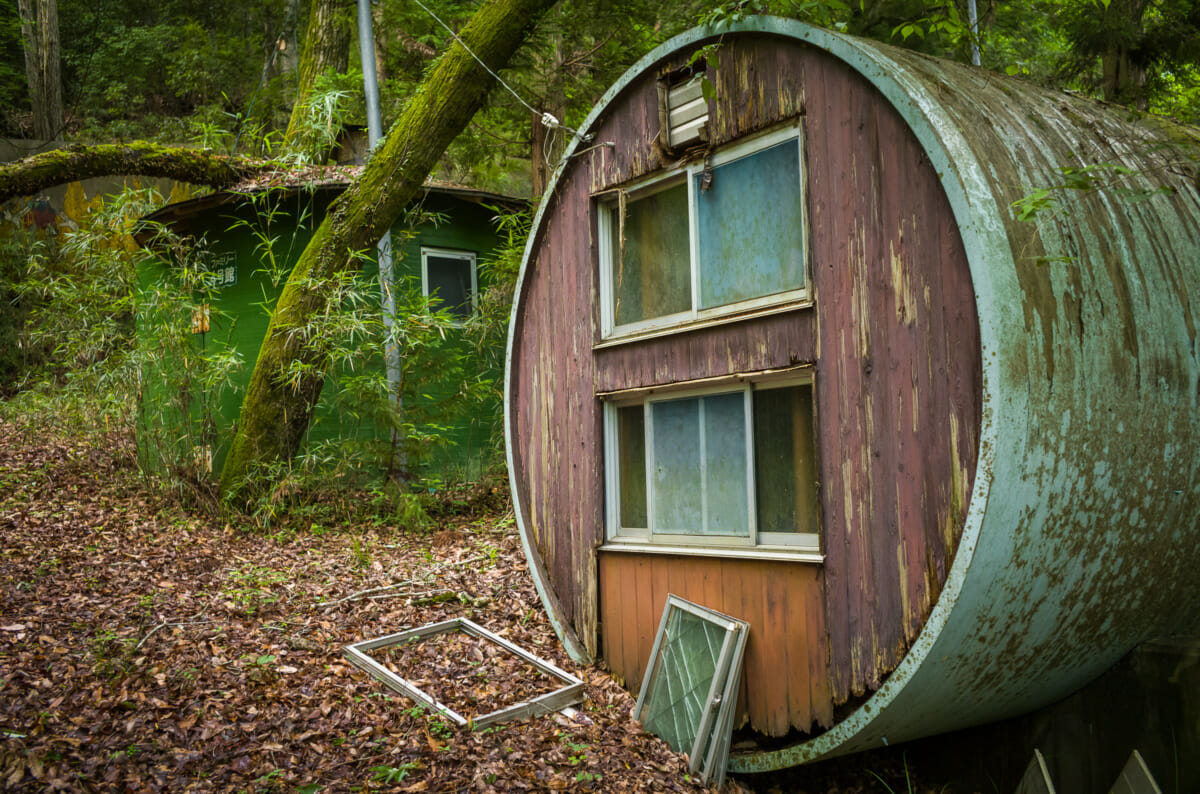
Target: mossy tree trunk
x,y
31,175
293,360
326,50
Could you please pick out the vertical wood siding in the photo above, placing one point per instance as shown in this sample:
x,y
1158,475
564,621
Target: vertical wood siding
x,y
773,597
894,341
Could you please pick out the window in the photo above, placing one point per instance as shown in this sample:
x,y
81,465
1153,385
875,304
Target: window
x,y
726,467
706,241
450,277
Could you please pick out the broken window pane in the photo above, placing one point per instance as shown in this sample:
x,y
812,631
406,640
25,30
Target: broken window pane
x,y
360,655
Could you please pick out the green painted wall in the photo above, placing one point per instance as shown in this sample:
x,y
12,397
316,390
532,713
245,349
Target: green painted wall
x,y
234,233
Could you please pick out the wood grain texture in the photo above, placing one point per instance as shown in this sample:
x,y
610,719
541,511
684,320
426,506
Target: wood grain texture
x,y
893,339
776,666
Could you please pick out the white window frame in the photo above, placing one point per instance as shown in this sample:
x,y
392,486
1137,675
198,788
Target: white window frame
x,y
607,208
451,253
764,545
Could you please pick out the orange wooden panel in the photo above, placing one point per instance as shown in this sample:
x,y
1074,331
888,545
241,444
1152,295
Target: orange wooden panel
x,y
795,647
781,601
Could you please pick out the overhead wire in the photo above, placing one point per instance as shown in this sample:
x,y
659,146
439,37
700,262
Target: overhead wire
x,y
548,120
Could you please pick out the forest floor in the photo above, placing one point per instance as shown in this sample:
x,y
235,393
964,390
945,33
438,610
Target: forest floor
x,y
143,648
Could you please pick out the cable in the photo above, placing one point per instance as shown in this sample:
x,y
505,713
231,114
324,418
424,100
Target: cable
x,y
548,119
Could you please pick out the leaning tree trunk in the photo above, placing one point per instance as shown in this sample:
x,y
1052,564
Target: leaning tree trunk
x,y
292,362
39,30
326,49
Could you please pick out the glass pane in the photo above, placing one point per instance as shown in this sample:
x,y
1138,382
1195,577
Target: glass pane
x,y
785,481
631,448
449,278
683,674
677,505
652,271
750,227
725,494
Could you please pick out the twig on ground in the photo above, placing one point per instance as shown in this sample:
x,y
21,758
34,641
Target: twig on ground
x,y
164,625
360,594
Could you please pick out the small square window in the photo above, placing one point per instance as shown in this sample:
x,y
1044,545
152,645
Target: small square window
x,y
707,241
450,278
726,467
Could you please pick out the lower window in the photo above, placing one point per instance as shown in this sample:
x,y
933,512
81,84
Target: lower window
x,y
721,468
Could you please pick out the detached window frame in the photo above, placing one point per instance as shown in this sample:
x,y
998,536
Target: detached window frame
x,y
752,541
471,259
611,212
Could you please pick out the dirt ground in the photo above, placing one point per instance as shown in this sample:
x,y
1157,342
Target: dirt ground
x,y
145,649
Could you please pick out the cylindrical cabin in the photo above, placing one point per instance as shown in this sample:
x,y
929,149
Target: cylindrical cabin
x,y
892,357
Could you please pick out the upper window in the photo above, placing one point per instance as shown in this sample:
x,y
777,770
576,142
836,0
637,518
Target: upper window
x,y
450,278
707,240
721,467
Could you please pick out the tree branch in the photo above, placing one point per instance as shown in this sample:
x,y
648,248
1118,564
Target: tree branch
x,y
31,175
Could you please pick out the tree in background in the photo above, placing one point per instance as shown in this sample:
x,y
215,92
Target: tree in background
x,y
39,35
1142,46
325,53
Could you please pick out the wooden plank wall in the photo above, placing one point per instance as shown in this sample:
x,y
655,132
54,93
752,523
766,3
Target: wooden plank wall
x,y
558,421
893,337
899,377
785,652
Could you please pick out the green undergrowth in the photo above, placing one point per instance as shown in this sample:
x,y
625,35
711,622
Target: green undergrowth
x,y
101,348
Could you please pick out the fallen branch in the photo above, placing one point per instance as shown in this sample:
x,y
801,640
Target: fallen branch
x,y
360,594
33,174
165,624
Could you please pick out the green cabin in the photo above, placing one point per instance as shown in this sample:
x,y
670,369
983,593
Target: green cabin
x,y
246,242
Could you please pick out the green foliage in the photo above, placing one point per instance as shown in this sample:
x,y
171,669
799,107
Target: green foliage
x,y
13,90
128,64
1080,180
392,774
179,422
16,356
323,117
79,369
825,13
488,326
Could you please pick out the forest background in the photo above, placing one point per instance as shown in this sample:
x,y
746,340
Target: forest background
x,y
278,81
153,636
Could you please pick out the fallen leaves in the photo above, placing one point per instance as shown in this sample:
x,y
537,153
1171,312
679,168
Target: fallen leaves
x,y
147,649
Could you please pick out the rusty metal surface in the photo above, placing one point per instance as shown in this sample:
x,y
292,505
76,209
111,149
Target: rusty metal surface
x,y
1078,529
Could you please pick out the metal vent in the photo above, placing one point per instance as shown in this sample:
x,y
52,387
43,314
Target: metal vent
x,y
687,112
